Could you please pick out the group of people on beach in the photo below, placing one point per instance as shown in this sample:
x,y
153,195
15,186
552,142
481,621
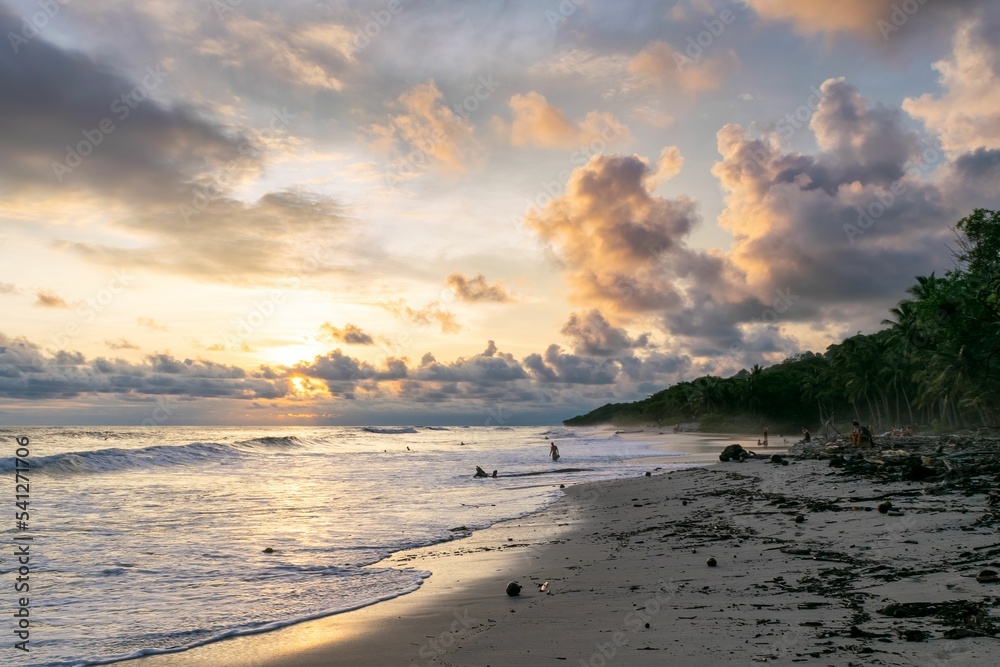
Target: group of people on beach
x,y
553,452
859,434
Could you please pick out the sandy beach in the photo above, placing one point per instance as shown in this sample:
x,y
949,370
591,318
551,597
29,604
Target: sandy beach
x,y
810,565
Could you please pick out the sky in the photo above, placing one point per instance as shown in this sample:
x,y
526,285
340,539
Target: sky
x,y
485,213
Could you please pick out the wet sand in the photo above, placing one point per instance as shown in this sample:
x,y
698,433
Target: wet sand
x,y
845,584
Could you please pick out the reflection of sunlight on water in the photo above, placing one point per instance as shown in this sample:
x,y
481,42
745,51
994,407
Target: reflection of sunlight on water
x,y
326,501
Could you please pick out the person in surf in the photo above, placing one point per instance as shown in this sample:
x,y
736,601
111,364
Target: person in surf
x,y
554,451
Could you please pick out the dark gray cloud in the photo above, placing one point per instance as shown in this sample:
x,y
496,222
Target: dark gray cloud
x,y
592,334
489,367
972,179
979,165
849,226
556,381
76,127
558,366
123,142
29,374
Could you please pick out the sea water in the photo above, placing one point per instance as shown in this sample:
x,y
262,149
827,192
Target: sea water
x,y
150,540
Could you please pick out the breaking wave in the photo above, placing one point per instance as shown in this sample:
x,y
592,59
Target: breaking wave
x,y
154,456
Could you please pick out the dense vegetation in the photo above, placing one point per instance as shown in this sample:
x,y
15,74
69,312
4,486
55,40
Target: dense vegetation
x,y
936,366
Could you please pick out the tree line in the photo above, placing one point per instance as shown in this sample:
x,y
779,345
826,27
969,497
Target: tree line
x,y
934,367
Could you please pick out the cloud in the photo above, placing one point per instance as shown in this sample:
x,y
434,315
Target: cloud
x,y
121,344
668,166
653,116
588,64
489,367
426,316
235,241
592,335
966,116
476,289
864,142
426,132
26,373
623,248
75,124
548,383
878,20
537,123
151,324
78,131
558,366
8,288
47,299
843,231
350,334
660,66
268,46
796,220
810,16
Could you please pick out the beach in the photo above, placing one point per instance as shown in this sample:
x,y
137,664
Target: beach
x,y
810,565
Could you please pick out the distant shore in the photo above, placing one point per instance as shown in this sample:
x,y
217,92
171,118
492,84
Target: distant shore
x,y
809,562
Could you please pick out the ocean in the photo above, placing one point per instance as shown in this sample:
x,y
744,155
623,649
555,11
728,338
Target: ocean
x,y
152,540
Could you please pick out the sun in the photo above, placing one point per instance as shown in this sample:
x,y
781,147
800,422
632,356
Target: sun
x,y
303,387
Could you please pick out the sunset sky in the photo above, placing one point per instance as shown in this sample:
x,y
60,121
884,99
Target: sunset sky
x,y
505,212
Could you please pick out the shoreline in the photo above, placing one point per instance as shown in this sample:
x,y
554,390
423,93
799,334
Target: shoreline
x,y
846,583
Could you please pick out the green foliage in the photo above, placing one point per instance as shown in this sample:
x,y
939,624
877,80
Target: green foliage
x,y
936,366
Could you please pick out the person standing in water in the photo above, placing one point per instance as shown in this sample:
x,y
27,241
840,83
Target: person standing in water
x,y
554,451
765,436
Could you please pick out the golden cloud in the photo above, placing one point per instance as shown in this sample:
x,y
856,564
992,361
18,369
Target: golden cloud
x,y
538,123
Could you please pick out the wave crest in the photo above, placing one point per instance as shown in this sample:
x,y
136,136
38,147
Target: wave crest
x,y
389,430
155,456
